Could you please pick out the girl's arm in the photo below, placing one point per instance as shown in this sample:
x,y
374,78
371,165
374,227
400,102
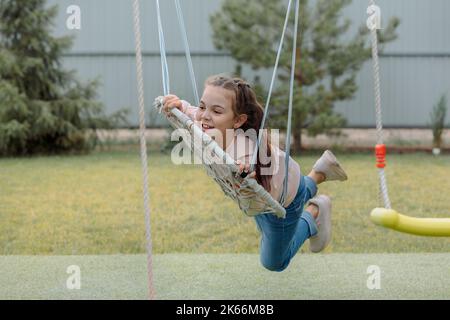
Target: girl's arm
x,y
189,110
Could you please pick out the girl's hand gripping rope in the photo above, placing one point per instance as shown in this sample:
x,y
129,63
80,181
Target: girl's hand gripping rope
x,y
171,101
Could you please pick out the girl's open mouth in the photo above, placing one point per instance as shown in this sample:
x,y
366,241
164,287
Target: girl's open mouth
x,y
206,127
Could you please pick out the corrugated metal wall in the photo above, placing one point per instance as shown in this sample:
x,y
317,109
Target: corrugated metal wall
x,y
415,68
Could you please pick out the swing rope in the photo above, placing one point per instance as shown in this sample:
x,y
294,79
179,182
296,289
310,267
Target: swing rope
x,y
162,49
187,51
143,147
386,216
272,82
380,148
269,95
291,98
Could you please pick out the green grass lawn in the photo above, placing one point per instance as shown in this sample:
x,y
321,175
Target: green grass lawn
x,y
87,211
92,204
228,276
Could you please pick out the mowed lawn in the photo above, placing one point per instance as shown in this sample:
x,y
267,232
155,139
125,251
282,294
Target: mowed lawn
x,y
92,204
229,276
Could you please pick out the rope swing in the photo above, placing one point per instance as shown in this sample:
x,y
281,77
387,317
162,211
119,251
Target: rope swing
x,y
386,216
246,192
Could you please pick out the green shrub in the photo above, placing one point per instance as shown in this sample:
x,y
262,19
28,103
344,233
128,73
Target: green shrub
x,y
437,117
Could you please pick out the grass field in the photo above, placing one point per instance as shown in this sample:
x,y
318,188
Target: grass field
x,y
228,276
93,205
87,211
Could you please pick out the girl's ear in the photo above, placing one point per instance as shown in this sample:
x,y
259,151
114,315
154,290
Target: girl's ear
x,y
240,120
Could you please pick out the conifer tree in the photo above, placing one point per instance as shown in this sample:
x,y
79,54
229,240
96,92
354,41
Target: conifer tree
x,y
328,57
43,108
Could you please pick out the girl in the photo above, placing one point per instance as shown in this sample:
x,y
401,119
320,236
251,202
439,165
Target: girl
x,y
231,104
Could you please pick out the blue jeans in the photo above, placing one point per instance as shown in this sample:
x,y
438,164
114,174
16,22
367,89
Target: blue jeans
x,y
282,238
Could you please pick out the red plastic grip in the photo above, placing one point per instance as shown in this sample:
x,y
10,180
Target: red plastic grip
x,y
380,153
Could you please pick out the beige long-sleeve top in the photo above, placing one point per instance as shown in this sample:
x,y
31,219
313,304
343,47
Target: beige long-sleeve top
x,y
242,147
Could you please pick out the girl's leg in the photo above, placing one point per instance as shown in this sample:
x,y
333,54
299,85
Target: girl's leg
x,y
310,188
282,238
306,228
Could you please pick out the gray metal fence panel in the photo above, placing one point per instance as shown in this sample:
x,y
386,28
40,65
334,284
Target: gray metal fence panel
x,y
415,68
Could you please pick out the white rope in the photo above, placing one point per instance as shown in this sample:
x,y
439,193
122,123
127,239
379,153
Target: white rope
x,y
143,146
384,189
187,51
379,119
162,50
272,81
291,98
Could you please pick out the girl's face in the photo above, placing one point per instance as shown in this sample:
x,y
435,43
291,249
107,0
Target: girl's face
x,y
216,113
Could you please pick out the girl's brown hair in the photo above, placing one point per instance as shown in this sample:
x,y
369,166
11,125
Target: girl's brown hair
x,y
246,102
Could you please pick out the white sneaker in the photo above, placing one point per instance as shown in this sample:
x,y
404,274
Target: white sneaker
x,y
330,167
321,240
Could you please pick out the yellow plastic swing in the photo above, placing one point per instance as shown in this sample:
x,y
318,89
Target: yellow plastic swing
x,y
388,217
